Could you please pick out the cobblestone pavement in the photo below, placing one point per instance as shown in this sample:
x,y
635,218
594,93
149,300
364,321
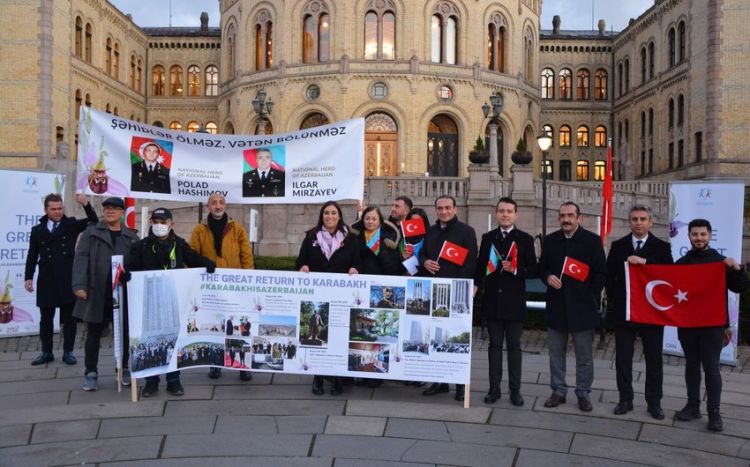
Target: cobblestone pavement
x,y
46,419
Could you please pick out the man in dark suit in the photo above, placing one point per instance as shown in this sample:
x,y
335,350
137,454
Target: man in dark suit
x,y
149,174
638,247
572,301
504,296
52,246
447,228
264,180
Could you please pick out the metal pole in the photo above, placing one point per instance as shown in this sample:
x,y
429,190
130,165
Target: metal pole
x,y
544,195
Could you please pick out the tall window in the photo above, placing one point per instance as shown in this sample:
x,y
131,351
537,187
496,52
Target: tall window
x,y
582,84
548,83
651,121
643,64
582,136
157,80
139,76
380,32
108,57
627,75
670,113
670,155
643,125
600,85
444,31
212,81
79,102
699,146
680,153
548,172
565,171
131,74
600,136
116,61
682,38
231,52
315,33
672,47
87,43
651,60
175,81
79,37
582,171
566,84
194,80
496,31
87,100
564,136
619,79
263,40
600,168
680,110
528,39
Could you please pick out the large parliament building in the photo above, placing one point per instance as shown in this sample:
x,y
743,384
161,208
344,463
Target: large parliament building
x,y
671,90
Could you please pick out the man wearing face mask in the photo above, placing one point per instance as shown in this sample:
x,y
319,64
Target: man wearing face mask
x,y
162,249
224,241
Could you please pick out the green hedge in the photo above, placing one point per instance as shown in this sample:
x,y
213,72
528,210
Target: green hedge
x,y
275,263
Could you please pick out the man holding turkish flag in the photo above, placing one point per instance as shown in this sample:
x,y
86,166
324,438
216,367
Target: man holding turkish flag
x,y
413,227
449,250
572,302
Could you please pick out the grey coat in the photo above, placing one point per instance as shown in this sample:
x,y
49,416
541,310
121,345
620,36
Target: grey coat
x,y
92,267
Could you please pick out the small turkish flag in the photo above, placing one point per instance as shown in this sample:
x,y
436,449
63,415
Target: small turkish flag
x,y
684,295
512,256
456,254
413,227
575,269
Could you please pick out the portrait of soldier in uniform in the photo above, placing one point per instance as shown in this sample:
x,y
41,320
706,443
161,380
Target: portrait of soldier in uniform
x,y
265,179
150,174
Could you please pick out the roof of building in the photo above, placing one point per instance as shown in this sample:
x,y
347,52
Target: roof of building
x,y
194,31
573,34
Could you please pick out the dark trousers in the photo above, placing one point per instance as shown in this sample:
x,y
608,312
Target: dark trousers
x,y
510,331
172,376
67,322
651,338
702,347
93,341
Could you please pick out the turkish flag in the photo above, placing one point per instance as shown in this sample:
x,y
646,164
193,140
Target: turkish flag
x,y
682,295
512,256
413,227
576,269
456,254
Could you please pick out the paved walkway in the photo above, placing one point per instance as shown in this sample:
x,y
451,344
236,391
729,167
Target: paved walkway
x,y
45,419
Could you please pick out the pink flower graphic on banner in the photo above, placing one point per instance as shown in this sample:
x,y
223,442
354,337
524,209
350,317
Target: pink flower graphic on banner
x,y
9,312
94,173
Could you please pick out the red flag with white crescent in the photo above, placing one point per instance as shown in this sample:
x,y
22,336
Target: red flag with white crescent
x,y
512,256
130,213
456,254
413,227
576,269
605,227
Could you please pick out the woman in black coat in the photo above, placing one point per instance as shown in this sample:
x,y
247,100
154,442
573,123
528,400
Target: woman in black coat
x,y
330,246
380,241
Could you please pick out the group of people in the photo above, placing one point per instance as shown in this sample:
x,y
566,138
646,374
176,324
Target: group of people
x,y
499,268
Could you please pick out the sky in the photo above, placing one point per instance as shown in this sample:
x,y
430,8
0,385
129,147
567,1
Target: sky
x,y
575,14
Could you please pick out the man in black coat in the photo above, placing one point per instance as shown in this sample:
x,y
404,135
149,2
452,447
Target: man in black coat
x,y
264,180
149,174
572,301
447,228
504,296
702,346
638,247
52,246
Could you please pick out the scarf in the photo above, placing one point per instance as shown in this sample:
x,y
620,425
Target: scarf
x,y
373,240
330,243
217,227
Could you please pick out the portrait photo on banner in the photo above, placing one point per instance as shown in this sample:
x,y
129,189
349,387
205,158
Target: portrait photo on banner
x,y
264,172
151,160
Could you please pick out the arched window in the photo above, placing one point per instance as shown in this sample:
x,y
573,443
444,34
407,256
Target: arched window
x,y
139,76
315,33
231,53
582,136
212,128
444,32
175,81
229,129
548,83
175,125
643,64
564,136
564,171
108,57
79,102
680,110
157,80
212,81
670,112
263,40
131,74
566,84
582,171
672,47
87,100
114,111
313,120
442,146
643,125
583,78
627,75
619,79
600,168
194,80
116,61
651,60
600,136
87,43
108,108
158,123
192,127
681,33
528,40
496,32
380,31
600,85
381,145
650,121
79,37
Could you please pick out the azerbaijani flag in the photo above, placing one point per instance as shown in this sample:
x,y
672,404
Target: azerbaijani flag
x,y
493,261
374,243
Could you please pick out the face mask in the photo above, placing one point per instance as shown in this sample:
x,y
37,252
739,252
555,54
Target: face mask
x,y
160,230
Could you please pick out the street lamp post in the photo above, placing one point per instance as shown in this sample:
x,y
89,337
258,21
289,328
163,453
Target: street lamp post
x,y
262,108
545,141
493,111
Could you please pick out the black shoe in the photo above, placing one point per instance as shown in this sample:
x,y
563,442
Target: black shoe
x,y
69,358
656,412
246,376
151,388
460,393
317,385
516,399
337,388
585,404
493,395
554,400
43,358
175,388
214,372
714,421
623,407
689,412
436,388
